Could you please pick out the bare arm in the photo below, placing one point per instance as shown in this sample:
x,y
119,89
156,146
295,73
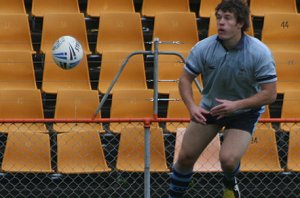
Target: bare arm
x,y
267,95
185,89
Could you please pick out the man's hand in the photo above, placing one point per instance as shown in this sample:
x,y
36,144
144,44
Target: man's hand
x,y
225,107
197,114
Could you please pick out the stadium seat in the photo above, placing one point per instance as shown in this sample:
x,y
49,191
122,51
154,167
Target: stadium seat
x,y
152,7
55,78
259,8
177,109
212,29
15,37
80,152
120,32
176,26
207,7
21,105
41,7
131,104
209,159
281,31
265,115
27,152
12,7
131,153
57,25
77,104
290,109
96,7
262,153
132,77
17,70
287,68
293,161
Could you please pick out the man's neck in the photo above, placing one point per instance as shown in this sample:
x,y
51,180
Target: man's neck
x,y
232,43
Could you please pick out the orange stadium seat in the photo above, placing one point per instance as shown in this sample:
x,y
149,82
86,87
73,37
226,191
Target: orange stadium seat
x,y
12,7
261,7
132,77
120,32
212,29
207,7
96,7
152,7
262,153
21,104
27,152
209,159
179,27
17,70
290,109
41,7
55,78
287,68
293,161
281,31
80,152
77,104
131,154
57,25
131,103
177,109
15,37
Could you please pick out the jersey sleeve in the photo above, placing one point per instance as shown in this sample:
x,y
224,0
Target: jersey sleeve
x,y
265,71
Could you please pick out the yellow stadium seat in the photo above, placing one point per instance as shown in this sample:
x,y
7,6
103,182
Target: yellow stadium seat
x,y
132,77
80,152
17,70
207,7
77,104
12,7
41,7
120,32
15,37
293,161
27,152
131,154
96,7
209,159
261,7
21,105
152,7
55,78
281,31
57,25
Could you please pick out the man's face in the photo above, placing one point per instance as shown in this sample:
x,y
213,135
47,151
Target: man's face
x,y
227,25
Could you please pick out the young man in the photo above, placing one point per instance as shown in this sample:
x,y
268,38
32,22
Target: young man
x,y
239,78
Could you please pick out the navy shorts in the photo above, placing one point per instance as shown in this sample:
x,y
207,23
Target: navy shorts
x,y
243,121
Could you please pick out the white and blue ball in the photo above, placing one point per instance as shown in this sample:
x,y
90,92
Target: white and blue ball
x,y
67,52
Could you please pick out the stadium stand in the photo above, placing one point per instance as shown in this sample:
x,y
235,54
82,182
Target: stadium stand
x,y
27,152
120,32
15,37
17,72
77,104
40,7
96,7
131,150
260,8
12,7
151,8
207,7
132,77
82,154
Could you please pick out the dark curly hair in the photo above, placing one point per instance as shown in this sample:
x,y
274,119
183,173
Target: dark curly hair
x,y
239,8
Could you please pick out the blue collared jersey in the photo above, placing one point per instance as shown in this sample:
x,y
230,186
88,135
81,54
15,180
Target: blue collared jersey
x,y
230,74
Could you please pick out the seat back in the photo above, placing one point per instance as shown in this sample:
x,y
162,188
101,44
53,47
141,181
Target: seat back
x,y
176,26
96,7
41,7
57,25
290,109
207,7
120,32
260,8
132,77
152,7
12,7
293,160
16,70
15,37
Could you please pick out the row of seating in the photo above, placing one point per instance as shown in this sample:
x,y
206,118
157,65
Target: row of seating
x,y
149,7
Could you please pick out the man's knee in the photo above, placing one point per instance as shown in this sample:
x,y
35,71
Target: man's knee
x,y
228,163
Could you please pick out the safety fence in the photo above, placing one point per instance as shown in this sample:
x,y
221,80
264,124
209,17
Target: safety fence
x,y
133,158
